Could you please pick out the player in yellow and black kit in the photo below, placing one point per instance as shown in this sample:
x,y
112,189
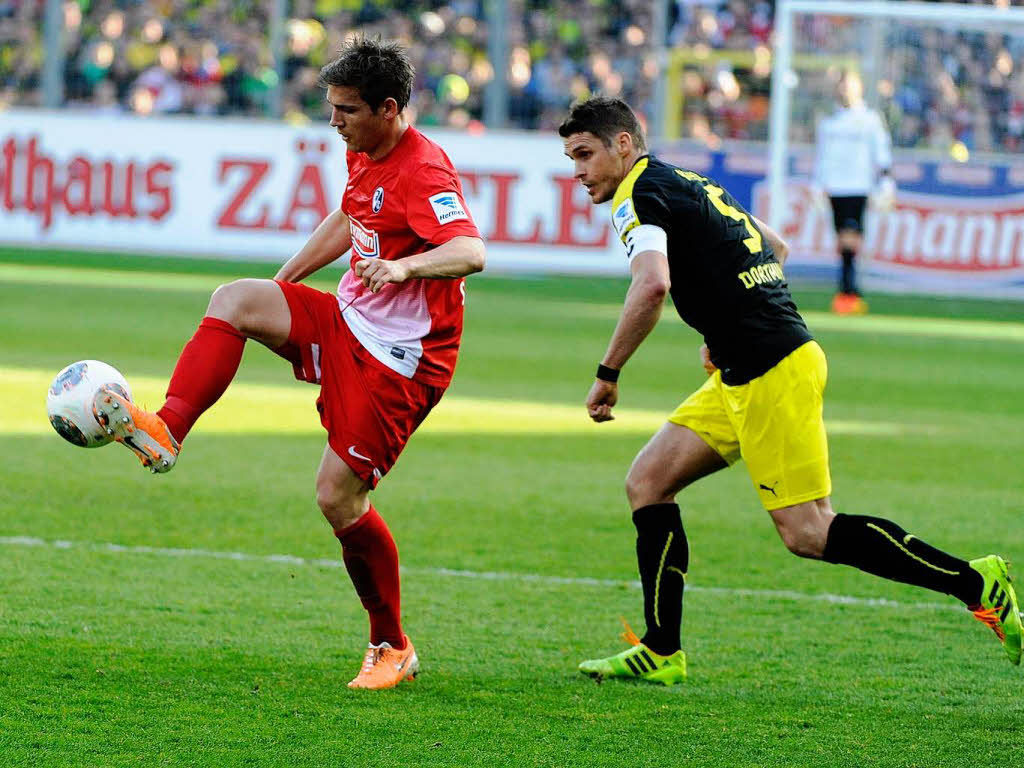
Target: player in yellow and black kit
x,y
685,236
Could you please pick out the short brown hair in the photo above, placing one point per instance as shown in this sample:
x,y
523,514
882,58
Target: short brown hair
x,y
604,117
378,69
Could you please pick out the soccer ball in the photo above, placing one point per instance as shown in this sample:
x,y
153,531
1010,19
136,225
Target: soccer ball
x,y
69,401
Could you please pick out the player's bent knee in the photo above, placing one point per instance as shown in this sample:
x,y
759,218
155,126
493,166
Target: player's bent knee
x,y
228,303
244,304
800,544
341,509
804,528
642,489
342,498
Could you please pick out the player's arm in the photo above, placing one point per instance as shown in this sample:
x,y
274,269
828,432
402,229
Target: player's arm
x,y
644,301
436,212
779,246
885,188
329,240
458,257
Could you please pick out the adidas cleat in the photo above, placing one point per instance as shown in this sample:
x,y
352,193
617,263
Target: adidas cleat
x,y
639,662
385,667
143,432
998,608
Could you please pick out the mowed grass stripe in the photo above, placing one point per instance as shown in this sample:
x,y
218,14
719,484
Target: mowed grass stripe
x,y
287,409
870,324
535,578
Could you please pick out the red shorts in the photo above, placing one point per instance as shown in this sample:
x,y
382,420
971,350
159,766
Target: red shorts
x,y
368,410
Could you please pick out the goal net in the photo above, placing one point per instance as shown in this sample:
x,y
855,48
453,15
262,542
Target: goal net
x,y
947,79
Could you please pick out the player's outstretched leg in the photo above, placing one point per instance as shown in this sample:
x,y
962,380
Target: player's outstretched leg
x,y
882,548
243,309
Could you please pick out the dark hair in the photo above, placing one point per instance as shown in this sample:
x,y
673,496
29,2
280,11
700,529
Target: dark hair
x,y
604,117
378,69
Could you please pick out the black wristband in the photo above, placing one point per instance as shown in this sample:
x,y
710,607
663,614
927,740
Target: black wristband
x,y
604,373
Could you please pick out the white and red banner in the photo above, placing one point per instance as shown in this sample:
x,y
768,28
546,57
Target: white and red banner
x,y
251,189
930,243
242,189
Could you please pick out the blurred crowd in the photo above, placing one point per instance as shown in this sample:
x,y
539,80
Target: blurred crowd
x,y
214,57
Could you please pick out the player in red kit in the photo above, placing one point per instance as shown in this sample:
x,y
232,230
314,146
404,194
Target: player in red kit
x,y
382,349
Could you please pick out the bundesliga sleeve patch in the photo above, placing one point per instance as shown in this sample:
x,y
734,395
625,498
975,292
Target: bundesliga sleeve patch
x,y
624,218
447,207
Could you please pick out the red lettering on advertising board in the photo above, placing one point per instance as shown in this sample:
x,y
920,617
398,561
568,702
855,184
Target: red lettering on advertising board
x,y
503,183
928,232
111,188
41,184
78,189
308,198
570,211
308,193
252,173
158,187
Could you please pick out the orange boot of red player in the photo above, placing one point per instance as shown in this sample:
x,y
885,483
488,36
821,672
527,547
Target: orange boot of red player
x,y
142,432
849,304
386,667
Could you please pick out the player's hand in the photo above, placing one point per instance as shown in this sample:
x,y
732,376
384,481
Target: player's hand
x,y
705,359
602,398
884,195
376,273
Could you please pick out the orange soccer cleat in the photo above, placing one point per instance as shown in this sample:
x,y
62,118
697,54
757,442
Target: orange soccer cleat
x,y
386,667
849,304
144,433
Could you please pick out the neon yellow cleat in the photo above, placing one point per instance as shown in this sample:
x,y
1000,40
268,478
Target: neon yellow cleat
x,y
998,608
638,661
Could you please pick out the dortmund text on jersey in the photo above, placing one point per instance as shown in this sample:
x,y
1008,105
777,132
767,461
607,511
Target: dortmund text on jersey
x,y
726,282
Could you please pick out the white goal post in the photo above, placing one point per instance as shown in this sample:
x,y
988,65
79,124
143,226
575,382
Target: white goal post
x,y
784,78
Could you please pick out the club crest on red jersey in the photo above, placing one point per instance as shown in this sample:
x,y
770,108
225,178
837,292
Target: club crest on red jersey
x,y
378,199
364,241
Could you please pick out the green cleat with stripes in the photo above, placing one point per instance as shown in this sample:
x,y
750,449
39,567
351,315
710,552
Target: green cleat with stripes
x,y
998,608
639,662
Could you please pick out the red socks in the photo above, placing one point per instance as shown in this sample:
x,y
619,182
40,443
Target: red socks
x,y
371,559
205,368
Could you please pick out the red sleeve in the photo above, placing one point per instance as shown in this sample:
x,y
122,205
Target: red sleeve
x,y
434,206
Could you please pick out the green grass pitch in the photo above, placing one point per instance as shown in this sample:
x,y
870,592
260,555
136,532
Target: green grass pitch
x,y
202,619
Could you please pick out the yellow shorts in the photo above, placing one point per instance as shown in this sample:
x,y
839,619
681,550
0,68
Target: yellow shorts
x,y
774,423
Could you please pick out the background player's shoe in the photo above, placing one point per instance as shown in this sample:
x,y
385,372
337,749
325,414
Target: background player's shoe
x,y
849,304
640,662
386,667
998,608
144,433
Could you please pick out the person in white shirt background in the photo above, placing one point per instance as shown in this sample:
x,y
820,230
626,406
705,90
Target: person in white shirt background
x,y
853,158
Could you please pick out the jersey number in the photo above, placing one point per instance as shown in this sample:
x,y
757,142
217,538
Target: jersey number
x,y
714,194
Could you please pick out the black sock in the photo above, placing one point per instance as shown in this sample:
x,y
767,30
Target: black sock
x,y
882,548
848,275
663,555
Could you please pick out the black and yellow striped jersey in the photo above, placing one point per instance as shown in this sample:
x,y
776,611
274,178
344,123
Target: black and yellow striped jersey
x,y
726,282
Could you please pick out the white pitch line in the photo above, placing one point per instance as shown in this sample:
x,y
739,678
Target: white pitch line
x,y
528,578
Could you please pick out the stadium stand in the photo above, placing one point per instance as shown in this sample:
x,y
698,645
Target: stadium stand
x,y
212,57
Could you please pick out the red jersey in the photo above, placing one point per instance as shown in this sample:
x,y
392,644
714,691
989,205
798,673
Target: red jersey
x,y
405,203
